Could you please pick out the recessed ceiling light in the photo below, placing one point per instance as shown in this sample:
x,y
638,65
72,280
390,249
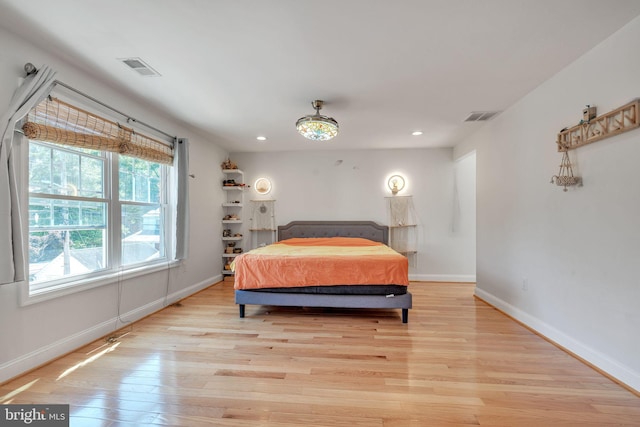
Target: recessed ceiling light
x,y
261,138
416,133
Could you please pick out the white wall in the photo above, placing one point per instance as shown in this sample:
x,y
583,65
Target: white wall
x,y
34,334
351,185
566,264
464,223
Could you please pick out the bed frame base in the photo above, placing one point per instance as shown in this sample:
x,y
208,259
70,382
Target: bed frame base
x,y
365,229
403,302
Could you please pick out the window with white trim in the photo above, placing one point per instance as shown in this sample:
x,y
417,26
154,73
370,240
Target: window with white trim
x,y
93,211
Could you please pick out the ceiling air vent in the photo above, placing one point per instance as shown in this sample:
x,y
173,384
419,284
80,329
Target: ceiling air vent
x,y
481,116
139,66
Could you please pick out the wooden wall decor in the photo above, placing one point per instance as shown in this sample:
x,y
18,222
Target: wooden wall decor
x,y
612,123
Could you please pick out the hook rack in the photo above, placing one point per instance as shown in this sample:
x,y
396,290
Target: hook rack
x,y
594,129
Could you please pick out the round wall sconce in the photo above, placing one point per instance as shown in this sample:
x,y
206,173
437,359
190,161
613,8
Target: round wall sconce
x,y
262,186
395,183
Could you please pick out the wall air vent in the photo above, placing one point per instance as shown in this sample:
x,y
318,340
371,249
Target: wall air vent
x,y
139,66
481,116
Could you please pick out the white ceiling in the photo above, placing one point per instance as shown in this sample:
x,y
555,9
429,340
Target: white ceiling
x,y
238,69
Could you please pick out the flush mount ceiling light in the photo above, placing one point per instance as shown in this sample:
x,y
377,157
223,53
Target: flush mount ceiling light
x,y
317,127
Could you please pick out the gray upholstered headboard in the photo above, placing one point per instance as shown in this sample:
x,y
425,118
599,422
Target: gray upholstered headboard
x,y
366,229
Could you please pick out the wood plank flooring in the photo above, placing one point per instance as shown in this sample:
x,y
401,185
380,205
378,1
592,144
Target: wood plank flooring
x,y
458,362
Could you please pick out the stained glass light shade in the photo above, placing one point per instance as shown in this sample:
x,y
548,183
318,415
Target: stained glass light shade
x,y
317,127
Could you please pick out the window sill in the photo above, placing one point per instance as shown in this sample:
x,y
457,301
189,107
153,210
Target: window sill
x,y
27,298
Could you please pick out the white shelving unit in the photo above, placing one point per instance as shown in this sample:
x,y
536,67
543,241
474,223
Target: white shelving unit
x,y
232,238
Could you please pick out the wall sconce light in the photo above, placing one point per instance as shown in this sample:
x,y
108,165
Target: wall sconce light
x,y
395,183
262,186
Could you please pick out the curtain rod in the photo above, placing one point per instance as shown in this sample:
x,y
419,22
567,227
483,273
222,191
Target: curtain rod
x,y
29,68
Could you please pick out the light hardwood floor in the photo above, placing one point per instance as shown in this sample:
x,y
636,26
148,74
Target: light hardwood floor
x,y
458,362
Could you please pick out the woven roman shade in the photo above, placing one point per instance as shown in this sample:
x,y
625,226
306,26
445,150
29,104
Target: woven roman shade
x,y
53,120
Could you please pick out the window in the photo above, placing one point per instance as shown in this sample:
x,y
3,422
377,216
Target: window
x,y
68,212
92,212
140,194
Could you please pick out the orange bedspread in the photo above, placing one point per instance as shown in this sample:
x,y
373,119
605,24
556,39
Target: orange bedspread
x,y
320,261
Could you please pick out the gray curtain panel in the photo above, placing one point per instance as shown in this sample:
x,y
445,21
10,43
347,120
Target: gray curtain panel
x,y
12,257
181,162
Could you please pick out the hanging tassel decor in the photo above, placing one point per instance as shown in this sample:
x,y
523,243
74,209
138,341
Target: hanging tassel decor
x,y
565,176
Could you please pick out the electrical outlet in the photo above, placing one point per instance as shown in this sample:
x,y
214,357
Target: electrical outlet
x,y
525,284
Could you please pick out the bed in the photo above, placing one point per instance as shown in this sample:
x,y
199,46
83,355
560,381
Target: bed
x,y
388,290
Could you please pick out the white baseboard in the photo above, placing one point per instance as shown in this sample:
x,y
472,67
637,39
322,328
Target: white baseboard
x,y
149,308
443,277
42,355
615,369
39,357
